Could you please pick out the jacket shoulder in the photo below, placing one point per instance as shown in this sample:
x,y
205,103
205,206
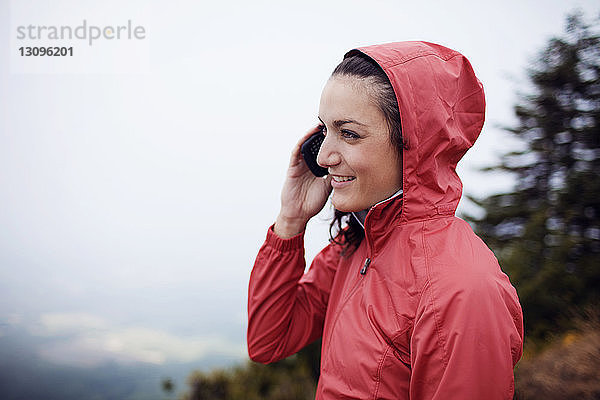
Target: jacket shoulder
x,y
466,288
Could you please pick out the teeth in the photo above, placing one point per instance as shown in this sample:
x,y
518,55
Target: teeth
x,y
343,178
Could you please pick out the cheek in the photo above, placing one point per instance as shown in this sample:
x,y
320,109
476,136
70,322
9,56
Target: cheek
x,y
394,172
384,174
372,165
394,178
363,158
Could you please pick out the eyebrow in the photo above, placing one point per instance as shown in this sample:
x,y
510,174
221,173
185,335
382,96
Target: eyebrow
x,y
339,122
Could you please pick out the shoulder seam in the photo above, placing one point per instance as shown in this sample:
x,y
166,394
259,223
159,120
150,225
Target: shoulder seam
x,y
429,286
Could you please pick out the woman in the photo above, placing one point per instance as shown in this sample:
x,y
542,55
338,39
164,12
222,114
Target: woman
x,y
410,303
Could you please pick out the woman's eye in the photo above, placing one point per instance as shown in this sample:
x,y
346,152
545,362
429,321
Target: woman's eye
x,y
349,134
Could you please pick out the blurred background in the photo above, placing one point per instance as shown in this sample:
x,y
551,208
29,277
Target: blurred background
x,y
139,176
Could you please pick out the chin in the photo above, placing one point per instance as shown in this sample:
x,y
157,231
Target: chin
x,y
345,206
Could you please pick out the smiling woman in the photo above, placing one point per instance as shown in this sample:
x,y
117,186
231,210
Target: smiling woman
x,y
364,165
409,302
361,74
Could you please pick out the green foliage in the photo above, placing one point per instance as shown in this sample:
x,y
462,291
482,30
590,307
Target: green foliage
x,y
291,379
546,232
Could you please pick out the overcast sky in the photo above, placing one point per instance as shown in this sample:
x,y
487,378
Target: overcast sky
x,y
138,177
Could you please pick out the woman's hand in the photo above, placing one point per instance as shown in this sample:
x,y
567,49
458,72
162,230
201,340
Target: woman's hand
x,y
303,194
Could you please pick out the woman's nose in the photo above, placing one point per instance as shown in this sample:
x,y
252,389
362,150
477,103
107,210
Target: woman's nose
x,y
328,155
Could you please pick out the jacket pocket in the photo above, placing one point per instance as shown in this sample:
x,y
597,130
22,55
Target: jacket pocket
x,y
401,347
395,330
392,377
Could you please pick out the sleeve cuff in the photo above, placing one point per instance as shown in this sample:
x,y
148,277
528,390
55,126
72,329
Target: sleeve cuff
x,y
293,243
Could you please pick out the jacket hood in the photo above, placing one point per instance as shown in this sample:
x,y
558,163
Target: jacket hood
x,y
442,110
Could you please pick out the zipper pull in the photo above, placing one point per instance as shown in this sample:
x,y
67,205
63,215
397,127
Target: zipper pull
x,y
363,270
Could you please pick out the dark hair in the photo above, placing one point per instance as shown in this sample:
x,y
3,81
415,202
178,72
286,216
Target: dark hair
x,y
358,65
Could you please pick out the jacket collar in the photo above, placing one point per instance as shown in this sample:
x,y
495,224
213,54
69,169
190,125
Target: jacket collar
x,y
360,216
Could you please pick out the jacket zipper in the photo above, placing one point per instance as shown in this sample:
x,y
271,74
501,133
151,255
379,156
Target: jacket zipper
x,y
365,267
363,270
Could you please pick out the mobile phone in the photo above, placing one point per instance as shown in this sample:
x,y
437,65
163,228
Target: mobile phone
x,y
310,150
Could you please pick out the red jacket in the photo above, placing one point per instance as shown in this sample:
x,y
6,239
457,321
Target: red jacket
x,y
433,316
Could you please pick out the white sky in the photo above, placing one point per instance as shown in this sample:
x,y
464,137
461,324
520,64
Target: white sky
x,y
132,204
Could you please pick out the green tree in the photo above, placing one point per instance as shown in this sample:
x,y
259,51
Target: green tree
x,y
546,231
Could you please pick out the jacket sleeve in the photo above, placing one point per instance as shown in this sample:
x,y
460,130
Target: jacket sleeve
x,y
467,339
286,307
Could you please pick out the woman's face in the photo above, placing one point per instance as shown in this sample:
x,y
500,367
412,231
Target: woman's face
x,y
357,151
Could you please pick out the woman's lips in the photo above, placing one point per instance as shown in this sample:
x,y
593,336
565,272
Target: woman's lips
x,y
340,181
